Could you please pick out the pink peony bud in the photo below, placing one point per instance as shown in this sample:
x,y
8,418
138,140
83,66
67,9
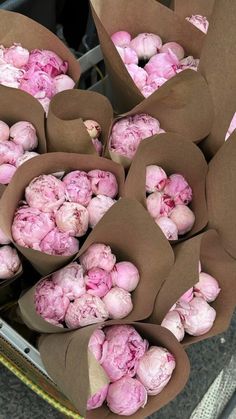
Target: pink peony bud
x,y
97,145
231,128
93,128
187,296
122,351
118,303
168,227
121,38
46,193
178,188
98,256
25,157
200,319
98,207
98,282
73,219
85,310
183,217
96,400
155,178
78,187
96,344
24,134
50,302
138,75
128,55
30,226
103,183
4,131
176,48
125,275
199,21
47,61
3,238
172,322
9,262
159,204
146,45
10,76
163,64
7,172
59,243
207,287
126,396
63,82
38,84
10,152
71,280
16,55
155,369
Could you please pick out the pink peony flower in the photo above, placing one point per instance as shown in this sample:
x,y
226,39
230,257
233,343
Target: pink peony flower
x,y
125,275
50,302
123,349
85,310
96,400
93,128
121,38
98,146
167,205
9,262
98,256
231,128
138,75
148,90
98,207
25,157
10,152
128,55
98,282
118,303
155,369
183,217
24,134
73,219
172,321
3,238
62,82
16,55
71,280
188,63
155,81
156,178
207,287
126,396
163,64
38,84
46,193
146,45
47,61
187,296
59,243
199,21
176,48
78,187
45,102
96,344
7,172
200,318
178,188
168,227
30,226
159,205
10,76
4,131
103,183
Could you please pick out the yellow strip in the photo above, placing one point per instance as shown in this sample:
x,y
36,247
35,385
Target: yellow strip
x,y
62,409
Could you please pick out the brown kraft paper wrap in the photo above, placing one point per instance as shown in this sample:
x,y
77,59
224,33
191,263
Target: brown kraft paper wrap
x,y
185,8
136,16
65,128
133,236
48,164
175,155
216,65
221,194
215,261
66,359
176,106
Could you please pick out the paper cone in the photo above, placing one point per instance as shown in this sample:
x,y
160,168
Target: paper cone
x,y
133,236
65,127
186,8
66,360
136,16
216,262
175,155
47,164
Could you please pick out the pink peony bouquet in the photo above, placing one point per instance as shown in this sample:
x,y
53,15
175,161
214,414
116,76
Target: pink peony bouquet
x,y
10,262
88,291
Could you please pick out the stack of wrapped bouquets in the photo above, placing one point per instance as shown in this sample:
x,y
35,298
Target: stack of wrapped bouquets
x,y
134,237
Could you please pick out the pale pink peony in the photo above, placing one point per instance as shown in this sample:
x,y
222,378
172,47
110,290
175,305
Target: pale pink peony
x,y
103,183
98,207
98,146
184,218
7,172
59,244
50,302
73,219
4,131
93,128
16,55
199,21
231,128
25,157
199,266
176,48
167,205
155,369
71,280
172,321
155,81
47,61
98,256
98,282
24,134
200,318
63,82
147,90
118,303
10,152
9,262
159,205
3,238
46,193
207,287
96,344
96,400
85,310
30,226
168,227
178,188
38,84
121,38
138,75
156,178
45,102
78,187
187,296
146,45
188,63
163,64
10,76
126,396
128,55
122,350
125,275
